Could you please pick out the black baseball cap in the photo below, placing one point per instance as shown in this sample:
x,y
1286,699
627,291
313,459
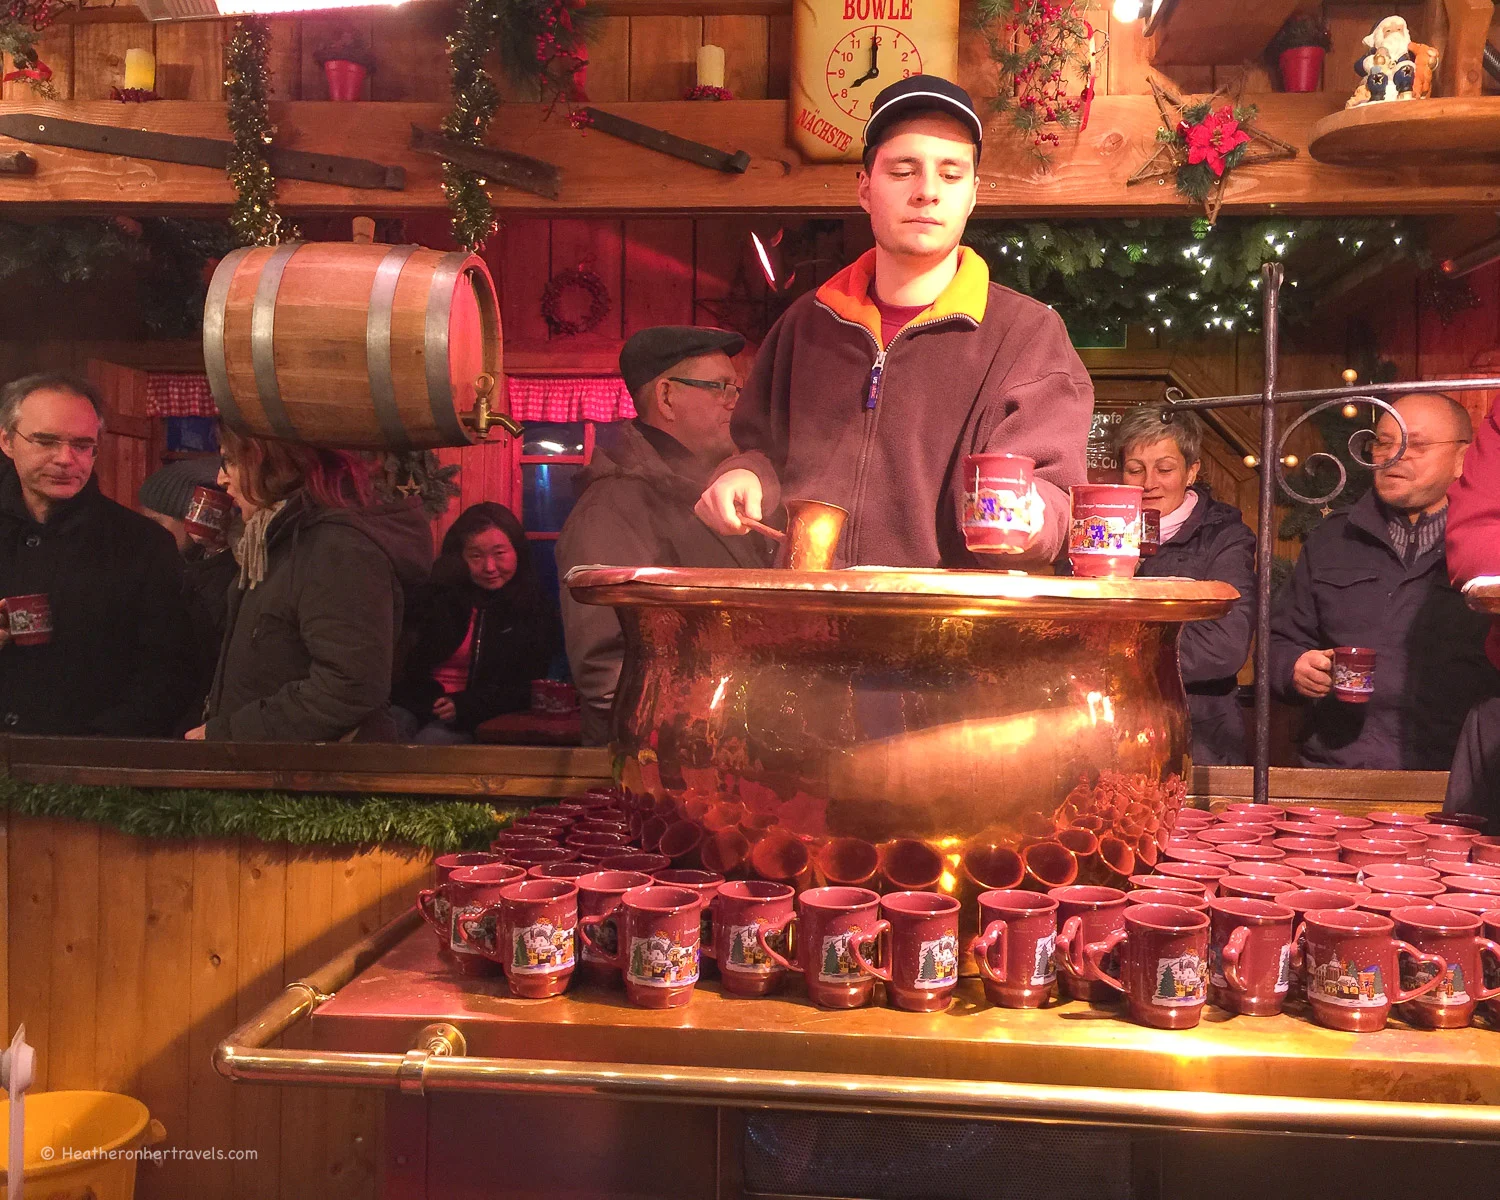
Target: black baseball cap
x,y
655,351
921,93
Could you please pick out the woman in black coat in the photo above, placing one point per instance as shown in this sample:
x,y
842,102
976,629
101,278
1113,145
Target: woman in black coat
x,y
1201,538
482,633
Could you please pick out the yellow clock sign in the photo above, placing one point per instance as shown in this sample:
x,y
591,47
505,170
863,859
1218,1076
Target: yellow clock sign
x,y
844,52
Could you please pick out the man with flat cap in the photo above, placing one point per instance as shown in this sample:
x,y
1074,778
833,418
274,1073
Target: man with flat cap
x,y
868,392
636,496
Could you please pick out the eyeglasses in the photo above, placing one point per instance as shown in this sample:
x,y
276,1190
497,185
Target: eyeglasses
x,y
83,447
729,393
1387,447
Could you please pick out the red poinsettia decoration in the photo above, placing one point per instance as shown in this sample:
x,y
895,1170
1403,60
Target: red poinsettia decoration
x,y
1213,139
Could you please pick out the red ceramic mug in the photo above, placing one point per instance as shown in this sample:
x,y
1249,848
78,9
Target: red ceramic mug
x,y
209,513
916,940
1204,873
997,495
1163,954
599,911
821,934
471,891
1458,939
706,885
1351,967
741,910
1016,947
1104,540
1353,674
1485,850
1169,883
1271,870
1085,914
1491,921
538,936
1256,887
1249,955
659,947
1170,898
434,905
27,618
635,860
504,843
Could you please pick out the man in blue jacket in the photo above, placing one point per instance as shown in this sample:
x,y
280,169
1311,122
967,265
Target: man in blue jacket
x,y
1375,576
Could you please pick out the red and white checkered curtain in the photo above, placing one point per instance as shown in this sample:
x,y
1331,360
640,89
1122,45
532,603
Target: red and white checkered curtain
x,y
532,398
562,398
176,395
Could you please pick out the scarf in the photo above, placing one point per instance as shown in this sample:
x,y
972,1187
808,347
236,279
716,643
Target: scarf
x,y
250,550
1173,521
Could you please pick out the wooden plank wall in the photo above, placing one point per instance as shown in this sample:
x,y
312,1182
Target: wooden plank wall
x,y
129,959
634,58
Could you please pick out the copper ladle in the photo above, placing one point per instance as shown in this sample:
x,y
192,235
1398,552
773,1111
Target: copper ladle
x,y
811,537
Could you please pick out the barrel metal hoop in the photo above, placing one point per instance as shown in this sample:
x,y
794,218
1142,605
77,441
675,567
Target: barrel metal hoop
x,y
215,313
263,340
378,347
445,277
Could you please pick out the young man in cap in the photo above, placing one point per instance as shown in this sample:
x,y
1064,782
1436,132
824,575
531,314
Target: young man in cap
x,y
635,500
869,392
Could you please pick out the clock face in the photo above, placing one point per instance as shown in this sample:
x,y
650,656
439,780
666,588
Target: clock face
x,y
864,61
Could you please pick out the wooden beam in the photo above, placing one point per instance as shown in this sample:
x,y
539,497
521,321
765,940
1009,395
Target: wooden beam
x,y
111,14
604,175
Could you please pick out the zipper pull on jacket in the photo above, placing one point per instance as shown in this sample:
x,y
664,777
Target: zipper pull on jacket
x,y
875,372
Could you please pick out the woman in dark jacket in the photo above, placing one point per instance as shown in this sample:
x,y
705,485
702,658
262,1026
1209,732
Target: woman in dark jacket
x,y
1201,538
483,632
323,577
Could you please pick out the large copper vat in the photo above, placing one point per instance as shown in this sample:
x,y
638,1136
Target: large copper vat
x,y
935,729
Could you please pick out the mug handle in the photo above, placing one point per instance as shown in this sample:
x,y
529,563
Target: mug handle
x,y
787,927
706,949
617,959
1233,948
1486,946
857,946
1401,997
995,931
1094,954
1067,943
426,899
462,922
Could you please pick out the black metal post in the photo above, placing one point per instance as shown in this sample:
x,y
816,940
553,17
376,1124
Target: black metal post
x,y
1265,544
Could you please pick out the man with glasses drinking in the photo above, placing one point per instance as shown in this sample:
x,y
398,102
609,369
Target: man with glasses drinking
x,y
636,496
116,658
1375,576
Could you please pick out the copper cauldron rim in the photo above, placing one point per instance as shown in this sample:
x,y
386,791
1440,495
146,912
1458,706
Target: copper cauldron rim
x,y
1003,593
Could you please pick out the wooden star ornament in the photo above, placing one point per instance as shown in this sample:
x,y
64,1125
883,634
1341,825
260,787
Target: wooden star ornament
x,y
1171,154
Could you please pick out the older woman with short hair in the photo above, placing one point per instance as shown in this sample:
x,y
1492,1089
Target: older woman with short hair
x,y
1201,538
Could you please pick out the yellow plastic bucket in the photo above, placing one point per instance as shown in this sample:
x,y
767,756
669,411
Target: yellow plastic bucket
x,y
79,1145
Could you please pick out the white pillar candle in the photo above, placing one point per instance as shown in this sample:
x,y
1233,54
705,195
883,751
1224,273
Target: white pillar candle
x,y
711,66
140,70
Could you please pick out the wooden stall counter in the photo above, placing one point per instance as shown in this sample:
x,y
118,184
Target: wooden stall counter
x,y
721,1099
1067,1045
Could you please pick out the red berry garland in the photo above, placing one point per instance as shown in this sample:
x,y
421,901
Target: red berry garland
x,y
575,279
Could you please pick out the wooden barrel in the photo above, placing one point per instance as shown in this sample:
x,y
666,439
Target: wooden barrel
x,y
359,347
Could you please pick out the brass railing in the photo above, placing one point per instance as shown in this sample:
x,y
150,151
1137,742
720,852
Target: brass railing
x,y
433,1066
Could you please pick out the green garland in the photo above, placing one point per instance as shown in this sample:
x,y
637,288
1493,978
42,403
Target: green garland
x,y
539,42
301,820
254,217
1181,278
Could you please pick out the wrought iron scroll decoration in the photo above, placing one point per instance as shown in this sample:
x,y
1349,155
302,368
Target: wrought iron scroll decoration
x,y
1273,447
1176,398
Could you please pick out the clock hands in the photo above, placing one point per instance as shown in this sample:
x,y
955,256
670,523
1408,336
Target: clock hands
x,y
874,71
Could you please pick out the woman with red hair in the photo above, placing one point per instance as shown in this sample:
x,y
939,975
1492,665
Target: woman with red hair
x,y
315,611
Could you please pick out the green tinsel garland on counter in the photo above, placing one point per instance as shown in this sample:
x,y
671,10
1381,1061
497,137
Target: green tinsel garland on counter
x,y
441,825
254,217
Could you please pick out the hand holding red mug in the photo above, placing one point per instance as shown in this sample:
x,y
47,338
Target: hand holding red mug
x,y
1312,675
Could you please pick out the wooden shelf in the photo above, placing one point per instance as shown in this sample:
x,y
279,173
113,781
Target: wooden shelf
x,y
1400,133
604,175
1204,32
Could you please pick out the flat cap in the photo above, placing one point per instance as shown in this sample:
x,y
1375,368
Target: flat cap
x,y
655,351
